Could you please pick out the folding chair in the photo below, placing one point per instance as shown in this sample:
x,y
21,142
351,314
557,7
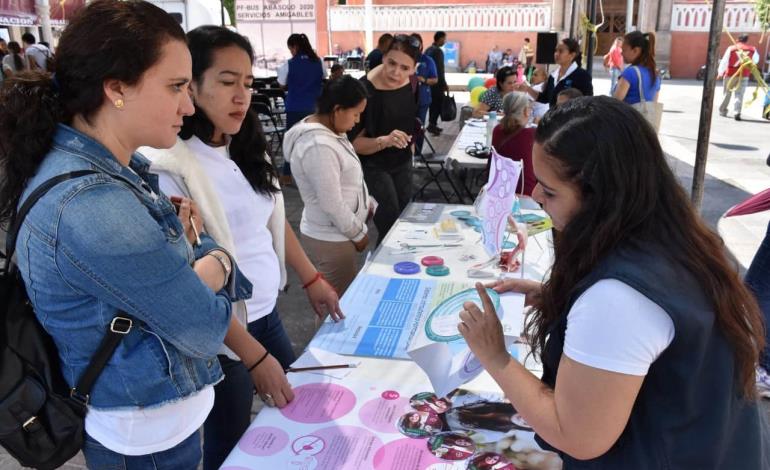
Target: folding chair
x,y
270,127
435,166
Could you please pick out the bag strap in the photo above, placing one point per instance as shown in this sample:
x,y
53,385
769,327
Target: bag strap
x,y
641,90
21,213
119,327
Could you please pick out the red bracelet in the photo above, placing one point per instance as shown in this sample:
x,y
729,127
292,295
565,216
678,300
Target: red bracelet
x,y
317,276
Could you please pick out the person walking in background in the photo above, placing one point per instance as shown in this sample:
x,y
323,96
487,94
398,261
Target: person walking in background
x,y
426,76
494,59
639,52
3,53
331,183
526,54
568,74
13,62
513,139
383,136
37,54
729,67
613,62
375,57
437,91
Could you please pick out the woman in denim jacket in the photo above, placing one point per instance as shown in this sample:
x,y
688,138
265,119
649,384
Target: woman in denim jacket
x,y
111,242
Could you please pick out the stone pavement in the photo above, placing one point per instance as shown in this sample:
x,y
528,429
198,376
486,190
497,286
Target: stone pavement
x,y
736,169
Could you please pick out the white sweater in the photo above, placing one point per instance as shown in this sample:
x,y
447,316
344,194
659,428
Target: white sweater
x,y
330,180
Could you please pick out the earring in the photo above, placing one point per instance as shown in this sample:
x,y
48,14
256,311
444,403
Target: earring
x,y
118,103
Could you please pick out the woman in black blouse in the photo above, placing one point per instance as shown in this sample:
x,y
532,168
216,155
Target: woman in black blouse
x,y
383,137
569,75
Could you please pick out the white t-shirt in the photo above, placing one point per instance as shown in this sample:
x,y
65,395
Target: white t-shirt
x,y
247,213
148,430
39,53
613,327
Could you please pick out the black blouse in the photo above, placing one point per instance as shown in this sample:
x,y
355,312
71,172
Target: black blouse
x,y
385,111
579,79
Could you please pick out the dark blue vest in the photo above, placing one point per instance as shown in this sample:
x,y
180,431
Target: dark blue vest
x,y
689,414
303,83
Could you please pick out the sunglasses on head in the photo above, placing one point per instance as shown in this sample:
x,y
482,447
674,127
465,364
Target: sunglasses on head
x,y
412,41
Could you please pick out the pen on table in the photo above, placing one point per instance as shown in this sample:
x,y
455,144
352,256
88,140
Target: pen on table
x,y
306,369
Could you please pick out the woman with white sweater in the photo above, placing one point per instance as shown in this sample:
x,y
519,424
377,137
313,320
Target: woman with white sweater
x,y
219,161
328,174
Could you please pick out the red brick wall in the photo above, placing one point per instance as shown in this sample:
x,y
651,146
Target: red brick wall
x,y
688,51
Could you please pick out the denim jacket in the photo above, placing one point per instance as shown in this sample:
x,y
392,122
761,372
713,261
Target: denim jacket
x,y
111,241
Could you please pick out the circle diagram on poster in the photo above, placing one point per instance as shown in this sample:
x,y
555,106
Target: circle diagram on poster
x,y
451,446
307,445
428,401
419,424
441,325
319,403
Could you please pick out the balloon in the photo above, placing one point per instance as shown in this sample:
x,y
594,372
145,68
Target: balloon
x,y
490,82
476,94
474,82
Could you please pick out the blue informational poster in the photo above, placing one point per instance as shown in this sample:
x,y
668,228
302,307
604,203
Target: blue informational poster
x,y
451,54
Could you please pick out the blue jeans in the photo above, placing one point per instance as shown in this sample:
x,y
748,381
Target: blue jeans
x,y
422,113
758,280
614,76
185,455
231,414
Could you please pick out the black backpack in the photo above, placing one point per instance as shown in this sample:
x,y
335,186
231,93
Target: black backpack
x,y
41,418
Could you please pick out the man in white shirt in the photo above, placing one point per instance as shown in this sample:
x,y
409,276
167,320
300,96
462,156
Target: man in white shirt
x,y
37,54
730,67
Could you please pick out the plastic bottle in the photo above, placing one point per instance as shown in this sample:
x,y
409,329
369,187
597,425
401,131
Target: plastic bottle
x,y
491,123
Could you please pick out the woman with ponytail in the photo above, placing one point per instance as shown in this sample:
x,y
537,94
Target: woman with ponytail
x,y
110,244
303,76
13,62
568,74
638,51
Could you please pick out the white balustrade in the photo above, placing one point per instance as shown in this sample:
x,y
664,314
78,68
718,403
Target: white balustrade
x,y
517,17
739,17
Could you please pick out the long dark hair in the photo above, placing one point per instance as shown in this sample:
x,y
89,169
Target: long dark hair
x,y
107,39
574,47
502,74
646,43
629,194
15,49
247,147
302,43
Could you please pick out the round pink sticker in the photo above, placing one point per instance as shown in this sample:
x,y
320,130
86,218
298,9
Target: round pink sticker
x,y
404,453
390,395
263,441
319,403
381,414
346,448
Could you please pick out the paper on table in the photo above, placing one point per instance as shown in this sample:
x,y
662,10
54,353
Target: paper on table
x,y
451,364
313,357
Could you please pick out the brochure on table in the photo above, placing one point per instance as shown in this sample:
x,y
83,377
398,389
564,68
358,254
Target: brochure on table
x,y
495,201
358,425
417,319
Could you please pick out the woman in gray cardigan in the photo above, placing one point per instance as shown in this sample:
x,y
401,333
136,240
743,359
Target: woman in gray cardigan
x,y
331,182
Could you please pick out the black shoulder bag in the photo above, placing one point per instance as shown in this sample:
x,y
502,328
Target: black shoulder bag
x,y
41,418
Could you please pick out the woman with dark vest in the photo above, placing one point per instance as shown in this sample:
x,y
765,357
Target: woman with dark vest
x,y
303,80
568,74
647,336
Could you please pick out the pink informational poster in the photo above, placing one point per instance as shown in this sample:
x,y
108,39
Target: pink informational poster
x,y
389,423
